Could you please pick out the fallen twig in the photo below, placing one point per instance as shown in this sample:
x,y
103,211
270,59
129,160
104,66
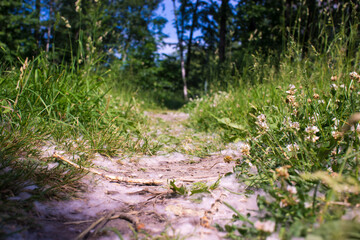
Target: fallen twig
x,y
111,176
199,179
96,226
139,181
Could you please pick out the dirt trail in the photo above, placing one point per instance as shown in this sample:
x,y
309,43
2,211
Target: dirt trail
x,y
155,209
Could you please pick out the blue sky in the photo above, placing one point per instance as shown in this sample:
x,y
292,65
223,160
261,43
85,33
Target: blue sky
x,y
166,10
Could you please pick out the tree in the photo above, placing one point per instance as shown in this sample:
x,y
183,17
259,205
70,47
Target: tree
x,y
223,19
180,29
16,25
193,25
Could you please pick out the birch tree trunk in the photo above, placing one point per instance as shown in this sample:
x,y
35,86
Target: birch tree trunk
x,y
194,22
181,49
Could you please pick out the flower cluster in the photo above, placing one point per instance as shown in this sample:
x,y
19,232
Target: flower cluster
x,y
293,147
245,149
311,131
290,98
334,78
357,129
77,6
355,76
266,226
291,189
334,86
292,125
337,134
261,122
283,171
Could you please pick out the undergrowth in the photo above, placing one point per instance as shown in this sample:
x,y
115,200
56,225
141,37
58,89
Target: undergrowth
x,y
299,128
67,106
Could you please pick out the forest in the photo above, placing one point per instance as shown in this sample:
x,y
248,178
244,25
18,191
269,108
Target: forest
x,y
264,91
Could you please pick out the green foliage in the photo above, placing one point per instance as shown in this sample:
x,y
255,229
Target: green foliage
x,y
65,105
299,127
336,230
178,190
70,69
16,23
197,187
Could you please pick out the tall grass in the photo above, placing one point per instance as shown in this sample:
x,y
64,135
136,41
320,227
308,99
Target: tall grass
x,y
67,105
298,121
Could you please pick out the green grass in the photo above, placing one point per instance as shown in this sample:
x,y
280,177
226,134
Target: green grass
x,y
291,114
300,134
71,107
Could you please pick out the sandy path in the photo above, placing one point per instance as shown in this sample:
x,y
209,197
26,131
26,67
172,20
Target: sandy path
x,y
156,209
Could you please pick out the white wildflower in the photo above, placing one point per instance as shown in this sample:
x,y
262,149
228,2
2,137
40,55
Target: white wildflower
x,y
294,125
334,86
261,122
312,138
311,131
77,6
357,128
291,189
337,135
248,162
291,92
354,75
267,226
245,149
290,99
272,238
336,123
307,205
283,204
292,147
261,118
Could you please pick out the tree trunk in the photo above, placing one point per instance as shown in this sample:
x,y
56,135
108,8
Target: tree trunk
x,y
194,22
223,18
51,11
181,49
311,5
37,27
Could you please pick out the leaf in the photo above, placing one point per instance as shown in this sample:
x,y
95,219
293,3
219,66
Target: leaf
x,y
199,190
6,109
227,122
199,187
179,190
215,184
